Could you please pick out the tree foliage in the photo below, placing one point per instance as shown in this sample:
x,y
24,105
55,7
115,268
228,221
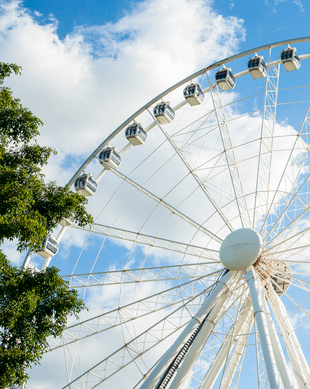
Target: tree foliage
x,y
29,208
33,306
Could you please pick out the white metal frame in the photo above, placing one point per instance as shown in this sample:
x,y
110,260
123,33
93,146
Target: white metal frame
x,y
249,288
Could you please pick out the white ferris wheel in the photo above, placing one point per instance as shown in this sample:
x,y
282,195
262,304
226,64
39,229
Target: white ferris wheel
x,y
196,271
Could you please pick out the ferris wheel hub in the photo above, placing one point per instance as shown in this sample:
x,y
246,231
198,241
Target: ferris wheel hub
x,y
241,249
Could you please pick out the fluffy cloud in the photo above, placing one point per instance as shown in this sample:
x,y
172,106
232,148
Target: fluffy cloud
x,y
85,85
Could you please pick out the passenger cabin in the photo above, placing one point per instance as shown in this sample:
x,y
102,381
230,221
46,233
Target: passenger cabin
x,y
290,59
225,79
108,157
257,67
193,94
66,222
163,113
86,185
33,270
135,134
281,277
49,247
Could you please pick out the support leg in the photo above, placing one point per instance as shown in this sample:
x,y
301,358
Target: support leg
x,y
169,356
263,331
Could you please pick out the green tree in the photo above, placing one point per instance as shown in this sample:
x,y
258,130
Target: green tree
x,y
33,306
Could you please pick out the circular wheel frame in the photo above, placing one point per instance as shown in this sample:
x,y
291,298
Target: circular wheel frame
x,y
163,310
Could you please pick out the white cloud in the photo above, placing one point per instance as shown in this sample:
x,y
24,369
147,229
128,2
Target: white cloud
x,y
9,249
276,3
300,5
82,87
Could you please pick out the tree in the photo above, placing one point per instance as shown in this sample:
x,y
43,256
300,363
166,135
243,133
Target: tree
x,y
33,306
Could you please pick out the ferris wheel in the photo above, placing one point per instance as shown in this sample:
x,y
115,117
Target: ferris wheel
x,y
196,271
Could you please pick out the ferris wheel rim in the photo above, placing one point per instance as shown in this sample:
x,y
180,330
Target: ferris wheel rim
x,y
273,263
175,86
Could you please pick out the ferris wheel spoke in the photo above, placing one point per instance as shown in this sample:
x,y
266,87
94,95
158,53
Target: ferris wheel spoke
x,y
167,206
261,200
289,250
287,242
154,241
230,156
147,274
300,284
136,310
198,134
299,147
195,176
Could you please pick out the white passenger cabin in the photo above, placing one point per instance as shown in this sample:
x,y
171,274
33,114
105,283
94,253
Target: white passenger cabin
x,y
281,278
135,134
257,67
108,157
86,185
225,79
66,222
193,94
163,113
49,247
290,59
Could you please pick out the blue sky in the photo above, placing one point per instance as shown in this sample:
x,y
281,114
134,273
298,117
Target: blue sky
x,y
265,21
268,20
88,65
76,13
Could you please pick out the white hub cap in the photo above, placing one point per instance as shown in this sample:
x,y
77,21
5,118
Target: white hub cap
x,y
240,249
